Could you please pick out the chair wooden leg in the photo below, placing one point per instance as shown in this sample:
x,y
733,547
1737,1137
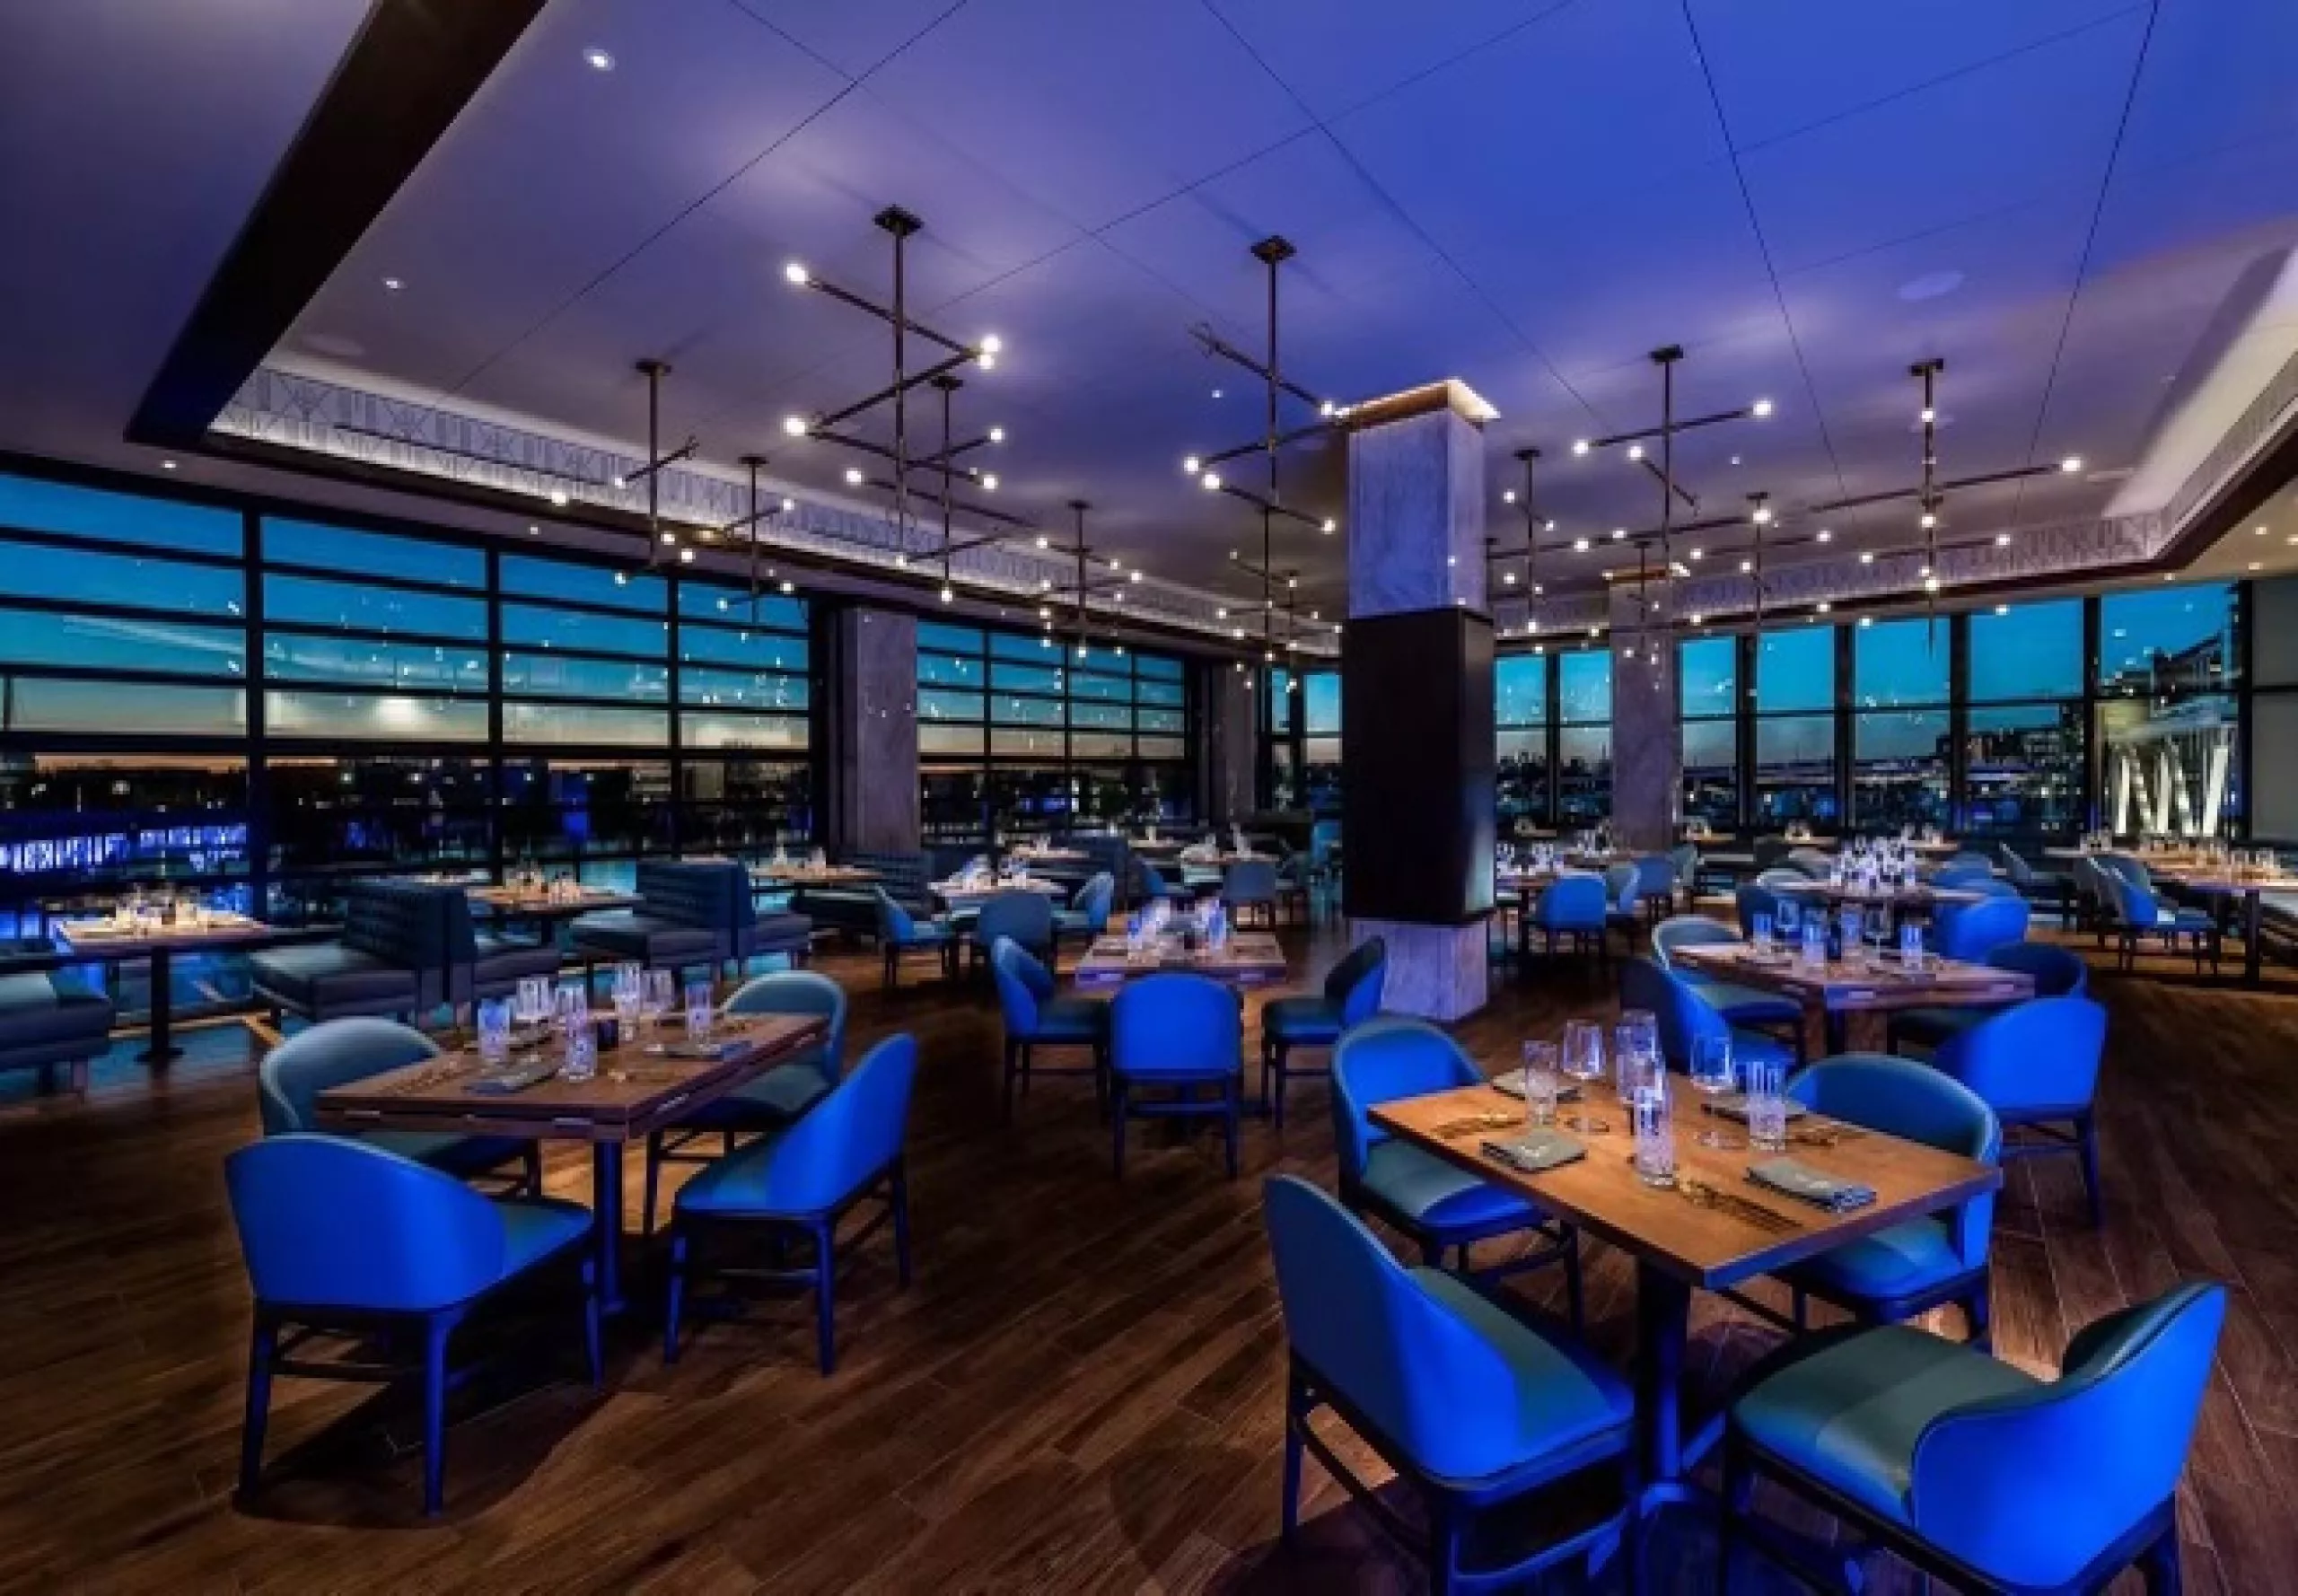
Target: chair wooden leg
x,y
1574,1296
1979,1313
531,1163
1013,1067
435,1331
1277,1056
825,1295
679,1241
263,1346
898,1197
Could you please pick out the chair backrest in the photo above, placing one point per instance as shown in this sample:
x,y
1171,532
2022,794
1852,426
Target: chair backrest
x,y
1419,1375
1685,857
1970,859
902,872
292,1074
2039,1055
2031,1488
1917,1103
1177,1024
1575,902
1962,876
2127,867
1812,862
1356,982
1023,984
402,923
327,1221
1971,931
1619,886
1655,876
2013,865
895,923
1392,1056
1769,851
1153,880
1093,900
1249,880
1689,931
2056,972
855,1131
799,992
2133,900
1682,1015
1025,916
1783,875
683,893
1752,899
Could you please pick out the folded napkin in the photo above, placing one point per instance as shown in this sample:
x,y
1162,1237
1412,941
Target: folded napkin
x,y
720,1048
1511,1085
1793,1177
1536,1149
1735,1107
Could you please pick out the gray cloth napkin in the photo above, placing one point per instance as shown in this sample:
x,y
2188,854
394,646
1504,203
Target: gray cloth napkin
x,y
1735,1107
1536,1149
1793,1177
1511,1085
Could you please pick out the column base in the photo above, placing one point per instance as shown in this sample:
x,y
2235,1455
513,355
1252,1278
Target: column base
x,y
1436,972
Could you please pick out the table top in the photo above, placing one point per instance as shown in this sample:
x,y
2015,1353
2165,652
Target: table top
x,y
1050,856
635,1091
953,892
1707,1246
1845,892
1250,959
816,875
1223,859
1533,881
2214,881
222,930
1942,982
539,905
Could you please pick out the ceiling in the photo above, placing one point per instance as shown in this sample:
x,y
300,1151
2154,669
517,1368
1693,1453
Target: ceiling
x,y
2077,204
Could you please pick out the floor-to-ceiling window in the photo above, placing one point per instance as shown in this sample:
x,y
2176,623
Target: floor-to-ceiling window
x,y
1281,737
1900,737
2023,763
1707,681
1321,741
1583,736
2169,666
1794,726
745,689
1519,693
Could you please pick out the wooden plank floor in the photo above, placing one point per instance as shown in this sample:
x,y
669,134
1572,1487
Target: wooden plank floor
x,y
1080,1392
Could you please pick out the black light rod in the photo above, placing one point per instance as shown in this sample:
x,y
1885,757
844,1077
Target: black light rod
x,y
1214,343
1258,444
914,380
1254,499
1745,413
682,452
887,315
2017,474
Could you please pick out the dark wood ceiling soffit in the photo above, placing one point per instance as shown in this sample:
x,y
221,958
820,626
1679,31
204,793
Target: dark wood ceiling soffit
x,y
414,66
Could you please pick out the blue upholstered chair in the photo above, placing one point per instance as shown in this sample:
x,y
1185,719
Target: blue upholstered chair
x,y
2139,914
1620,898
1476,1408
801,1181
1685,857
900,932
1153,882
1814,861
1769,851
1573,907
1656,881
1037,1015
1439,1205
1088,914
1915,1265
1974,1470
336,1052
2038,886
1752,899
1250,886
2056,972
342,1237
774,1098
1971,931
1350,996
1739,1004
1175,1034
2037,1066
1022,917
1684,1018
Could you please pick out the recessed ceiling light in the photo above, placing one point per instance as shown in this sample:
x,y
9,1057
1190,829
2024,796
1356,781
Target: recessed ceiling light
x,y
1746,566
1509,497
1929,286
1866,557
686,556
1760,408
997,435
989,483
1216,393
1329,526
853,476
2257,566
1581,445
167,465
1618,533
2071,464
2003,540
392,285
533,530
1735,460
558,496
1699,554
1579,545
1211,481
1826,536
598,60
795,425
1825,606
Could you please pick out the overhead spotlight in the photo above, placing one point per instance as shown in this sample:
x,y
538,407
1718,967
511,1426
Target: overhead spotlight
x,y
686,556
1927,521
796,275
1237,632
789,587
1826,536
1699,554
988,363
533,530
1931,584
1762,517
1696,620
1314,616
1925,572
2003,540
901,562
991,344
1210,481
795,425
1120,651
1760,408
1045,613
852,476
1581,445
997,435
169,465
1927,414
1329,526
989,483
1537,589
558,496
948,595
2071,464
1044,541
1635,452
1866,557
1595,631
1133,576
1618,533
1327,409
788,505
1191,464
1509,497
1452,560
1735,460
1045,585
1579,545
1824,606
392,285
1216,393
1548,526
1222,614
1289,581
598,60
1117,565
1746,566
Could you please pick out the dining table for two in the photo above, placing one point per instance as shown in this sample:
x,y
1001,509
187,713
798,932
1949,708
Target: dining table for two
x,y
1846,1003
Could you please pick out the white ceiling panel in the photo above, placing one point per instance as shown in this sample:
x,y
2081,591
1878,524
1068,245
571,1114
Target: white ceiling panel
x,y
1335,57
2218,72
2024,130
855,39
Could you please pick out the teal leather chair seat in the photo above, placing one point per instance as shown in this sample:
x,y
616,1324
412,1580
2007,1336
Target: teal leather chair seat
x,y
1890,1263
1303,1020
1425,1189
463,1157
1073,1019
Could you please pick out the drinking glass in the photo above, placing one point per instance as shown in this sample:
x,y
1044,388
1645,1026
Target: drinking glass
x,y
582,1051
1583,1061
1815,944
656,1001
494,1031
1791,917
1636,1050
1655,1131
700,1011
1766,1081
574,1006
1853,921
1713,1075
1911,947
1759,928
1541,1083
533,1000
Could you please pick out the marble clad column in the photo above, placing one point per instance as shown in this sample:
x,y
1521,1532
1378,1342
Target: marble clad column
x,y
1416,712
870,696
1232,731
1647,743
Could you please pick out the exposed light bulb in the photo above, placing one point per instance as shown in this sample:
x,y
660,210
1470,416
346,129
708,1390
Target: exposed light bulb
x,y
1931,584
1824,606
598,60
2003,609
2071,464
1618,533
901,562
1746,566
2003,540
1133,576
788,505
989,483
1579,545
854,476
1635,452
789,587
1329,526
1191,464
1762,516
988,363
686,556
1508,578
1696,620
796,275
1581,445
947,596
1866,557
1826,536
795,425
1222,614
1928,521
558,496
997,435
1699,554
622,579
1508,497
1211,481
1760,408
991,344
1928,414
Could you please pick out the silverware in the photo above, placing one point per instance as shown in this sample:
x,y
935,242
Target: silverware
x,y
1473,1122
1702,1195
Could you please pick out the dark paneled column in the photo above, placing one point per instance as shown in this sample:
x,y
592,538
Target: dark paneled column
x,y
1231,726
871,694
1416,727
1647,749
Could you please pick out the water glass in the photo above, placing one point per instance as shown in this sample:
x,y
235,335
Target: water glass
x,y
1583,1061
1852,921
654,1001
1713,1075
582,1051
701,1010
1759,929
629,979
1815,944
1766,1104
1656,1132
1911,947
574,1006
494,1031
1636,1050
1543,1084
533,999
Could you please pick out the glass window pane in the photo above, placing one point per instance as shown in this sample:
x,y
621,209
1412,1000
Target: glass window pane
x,y
1100,745
1795,669
1163,748
97,641
528,628
549,675
1018,740
358,663
1521,783
1711,763
121,518
2032,650
948,639
1520,690
582,722
1102,718
138,581
1708,674
376,611
1005,709
1011,646
2023,768
34,705
939,703
2169,764
1321,703
736,806
1585,761
720,729
1795,769
375,810
1161,720
1277,697
758,649
1026,679
559,807
939,737
934,670
80,818
705,600
1108,690
1897,663
349,553
393,717
743,689
1899,775
1158,666
2166,642
1173,693
524,577
1584,689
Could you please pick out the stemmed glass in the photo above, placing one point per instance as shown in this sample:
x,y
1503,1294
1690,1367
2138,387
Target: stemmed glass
x,y
1713,1075
533,1001
1583,1061
1879,933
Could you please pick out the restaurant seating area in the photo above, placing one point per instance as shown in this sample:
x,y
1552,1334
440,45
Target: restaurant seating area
x,y
1005,796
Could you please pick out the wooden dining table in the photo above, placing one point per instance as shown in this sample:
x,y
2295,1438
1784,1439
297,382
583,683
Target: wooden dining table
x,y
641,1086
1683,1240
1846,1003
2215,880
109,942
525,903
1247,958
